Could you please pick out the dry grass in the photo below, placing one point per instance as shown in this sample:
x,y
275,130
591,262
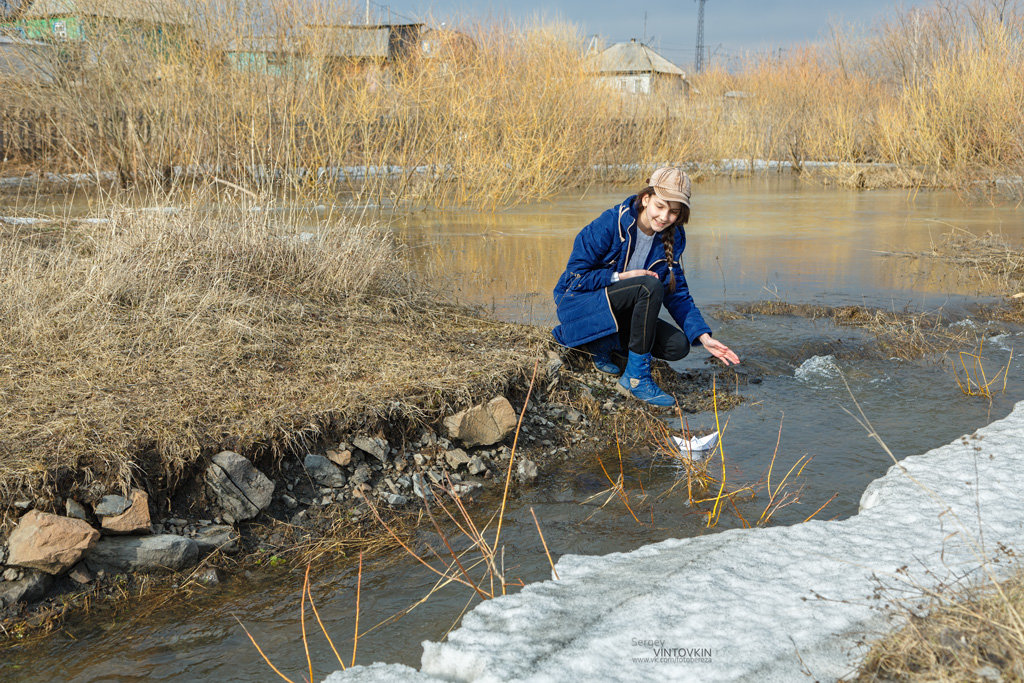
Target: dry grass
x,y
962,635
989,259
129,350
935,95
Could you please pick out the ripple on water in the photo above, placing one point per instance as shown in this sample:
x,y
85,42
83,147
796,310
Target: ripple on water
x,y
817,368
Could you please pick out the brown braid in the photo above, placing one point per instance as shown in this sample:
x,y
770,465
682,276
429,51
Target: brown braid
x,y
668,241
668,237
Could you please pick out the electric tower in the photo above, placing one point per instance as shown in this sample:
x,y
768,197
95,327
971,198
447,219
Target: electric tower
x,y
698,60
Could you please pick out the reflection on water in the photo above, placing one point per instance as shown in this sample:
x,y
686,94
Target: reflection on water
x,y
749,239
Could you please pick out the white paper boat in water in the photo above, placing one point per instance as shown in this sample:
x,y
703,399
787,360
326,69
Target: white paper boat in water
x,y
697,446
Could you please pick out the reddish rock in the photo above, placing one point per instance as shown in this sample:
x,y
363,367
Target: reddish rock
x,y
134,520
49,543
341,459
483,425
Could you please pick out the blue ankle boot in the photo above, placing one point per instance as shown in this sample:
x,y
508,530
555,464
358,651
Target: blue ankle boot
x,y
601,354
637,380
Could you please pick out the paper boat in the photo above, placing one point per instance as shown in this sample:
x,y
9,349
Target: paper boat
x,y
697,446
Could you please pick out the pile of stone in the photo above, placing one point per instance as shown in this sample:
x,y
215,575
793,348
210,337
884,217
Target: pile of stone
x,y
369,467
118,536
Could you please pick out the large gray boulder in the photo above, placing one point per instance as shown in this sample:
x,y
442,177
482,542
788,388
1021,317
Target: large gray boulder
x,y
482,425
375,446
241,490
325,472
49,543
28,589
217,537
163,552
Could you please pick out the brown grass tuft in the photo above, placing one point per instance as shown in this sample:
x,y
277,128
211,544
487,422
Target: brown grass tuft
x,y
969,634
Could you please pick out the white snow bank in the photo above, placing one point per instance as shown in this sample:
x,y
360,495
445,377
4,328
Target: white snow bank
x,y
777,604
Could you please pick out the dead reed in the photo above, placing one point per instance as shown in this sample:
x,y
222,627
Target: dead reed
x,y
989,259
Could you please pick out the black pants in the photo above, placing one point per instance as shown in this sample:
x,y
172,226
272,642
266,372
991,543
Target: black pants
x,y
636,303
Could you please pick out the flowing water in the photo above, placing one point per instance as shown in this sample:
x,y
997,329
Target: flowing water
x,y
767,238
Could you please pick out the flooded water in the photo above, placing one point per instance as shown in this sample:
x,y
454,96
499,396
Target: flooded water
x,y
748,240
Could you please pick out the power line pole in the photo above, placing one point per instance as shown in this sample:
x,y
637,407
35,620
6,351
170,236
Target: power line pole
x,y
698,61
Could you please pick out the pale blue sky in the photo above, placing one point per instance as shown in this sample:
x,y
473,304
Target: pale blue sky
x,y
731,27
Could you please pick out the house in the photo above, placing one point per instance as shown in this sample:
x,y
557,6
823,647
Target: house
x,y
367,44
328,48
80,20
446,44
636,69
26,60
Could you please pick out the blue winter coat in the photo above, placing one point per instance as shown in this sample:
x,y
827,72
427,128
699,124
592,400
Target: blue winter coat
x,y
603,248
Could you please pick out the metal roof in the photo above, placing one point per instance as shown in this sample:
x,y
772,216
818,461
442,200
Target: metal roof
x,y
632,58
25,59
367,42
153,11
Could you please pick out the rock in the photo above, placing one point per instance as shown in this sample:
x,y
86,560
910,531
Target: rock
x,y
80,574
573,415
134,520
420,488
361,475
241,490
75,510
527,470
467,489
376,447
341,459
29,589
23,504
395,499
420,459
143,553
477,465
456,458
11,574
482,425
324,471
217,537
404,483
209,577
49,543
289,502
111,505
554,364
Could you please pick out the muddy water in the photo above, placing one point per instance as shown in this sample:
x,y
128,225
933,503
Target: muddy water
x,y
748,240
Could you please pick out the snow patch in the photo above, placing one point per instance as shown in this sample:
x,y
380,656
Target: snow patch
x,y
775,604
23,220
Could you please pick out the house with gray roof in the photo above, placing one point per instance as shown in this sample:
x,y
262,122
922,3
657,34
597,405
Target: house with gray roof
x,y
636,69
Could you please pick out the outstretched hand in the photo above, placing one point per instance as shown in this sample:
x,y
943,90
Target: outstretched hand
x,y
719,350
